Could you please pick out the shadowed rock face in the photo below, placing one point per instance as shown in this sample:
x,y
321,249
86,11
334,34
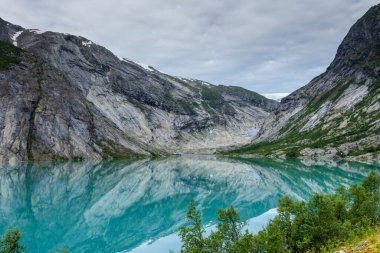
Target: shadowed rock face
x,y
70,98
355,59
115,206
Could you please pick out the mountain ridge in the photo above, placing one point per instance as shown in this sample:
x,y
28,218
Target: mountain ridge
x,y
65,97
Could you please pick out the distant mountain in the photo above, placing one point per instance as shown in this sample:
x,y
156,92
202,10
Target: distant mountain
x,y
338,113
65,97
276,96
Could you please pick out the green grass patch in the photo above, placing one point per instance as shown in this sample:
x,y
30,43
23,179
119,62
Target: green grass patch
x,y
111,151
9,55
179,105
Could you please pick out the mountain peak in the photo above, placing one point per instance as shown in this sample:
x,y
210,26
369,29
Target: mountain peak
x,y
336,113
361,45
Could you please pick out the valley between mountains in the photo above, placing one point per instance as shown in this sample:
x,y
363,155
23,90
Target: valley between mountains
x,y
65,97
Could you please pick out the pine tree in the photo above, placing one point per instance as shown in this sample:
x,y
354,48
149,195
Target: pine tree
x,y
10,242
192,236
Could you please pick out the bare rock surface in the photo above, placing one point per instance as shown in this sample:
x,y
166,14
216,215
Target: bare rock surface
x,y
69,98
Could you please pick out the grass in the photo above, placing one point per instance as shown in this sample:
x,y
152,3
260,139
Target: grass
x,y
110,153
211,95
213,101
370,242
9,55
212,98
179,105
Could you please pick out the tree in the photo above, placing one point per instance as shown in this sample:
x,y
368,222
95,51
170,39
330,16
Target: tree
x,y
192,237
228,234
10,242
365,197
316,225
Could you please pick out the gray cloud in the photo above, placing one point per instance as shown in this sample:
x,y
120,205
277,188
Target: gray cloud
x,y
274,46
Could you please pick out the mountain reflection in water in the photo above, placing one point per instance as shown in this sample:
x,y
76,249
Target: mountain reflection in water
x,y
114,206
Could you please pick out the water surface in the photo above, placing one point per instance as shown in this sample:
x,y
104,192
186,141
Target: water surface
x,y
138,206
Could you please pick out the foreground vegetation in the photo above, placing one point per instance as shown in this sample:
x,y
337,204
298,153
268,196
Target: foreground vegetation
x,y
321,224
365,244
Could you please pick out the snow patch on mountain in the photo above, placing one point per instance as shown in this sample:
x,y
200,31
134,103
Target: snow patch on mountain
x,y
87,43
15,36
252,132
36,31
143,65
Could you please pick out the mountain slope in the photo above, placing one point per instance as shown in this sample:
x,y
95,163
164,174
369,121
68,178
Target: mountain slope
x,y
338,113
63,96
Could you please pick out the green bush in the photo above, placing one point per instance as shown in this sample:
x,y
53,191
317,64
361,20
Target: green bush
x,y
320,224
192,237
9,55
292,153
10,243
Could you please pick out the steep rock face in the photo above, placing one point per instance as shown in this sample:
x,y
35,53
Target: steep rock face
x,y
43,118
67,97
337,113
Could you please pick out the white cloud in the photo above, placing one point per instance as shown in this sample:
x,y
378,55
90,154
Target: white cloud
x,y
274,46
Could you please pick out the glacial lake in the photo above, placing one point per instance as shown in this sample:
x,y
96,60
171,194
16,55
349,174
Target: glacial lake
x,y
138,206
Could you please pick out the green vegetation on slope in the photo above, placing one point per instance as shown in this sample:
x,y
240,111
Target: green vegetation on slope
x,y
176,105
246,95
9,55
318,225
368,243
327,133
213,101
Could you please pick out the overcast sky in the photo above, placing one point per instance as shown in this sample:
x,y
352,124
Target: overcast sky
x,y
265,46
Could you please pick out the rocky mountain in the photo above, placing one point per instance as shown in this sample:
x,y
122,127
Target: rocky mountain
x,y
338,113
65,97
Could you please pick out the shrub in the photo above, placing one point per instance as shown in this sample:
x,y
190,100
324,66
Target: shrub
x,y
10,243
9,55
317,225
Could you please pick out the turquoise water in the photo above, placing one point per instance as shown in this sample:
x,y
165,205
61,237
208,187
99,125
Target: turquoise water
x,y
138,206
